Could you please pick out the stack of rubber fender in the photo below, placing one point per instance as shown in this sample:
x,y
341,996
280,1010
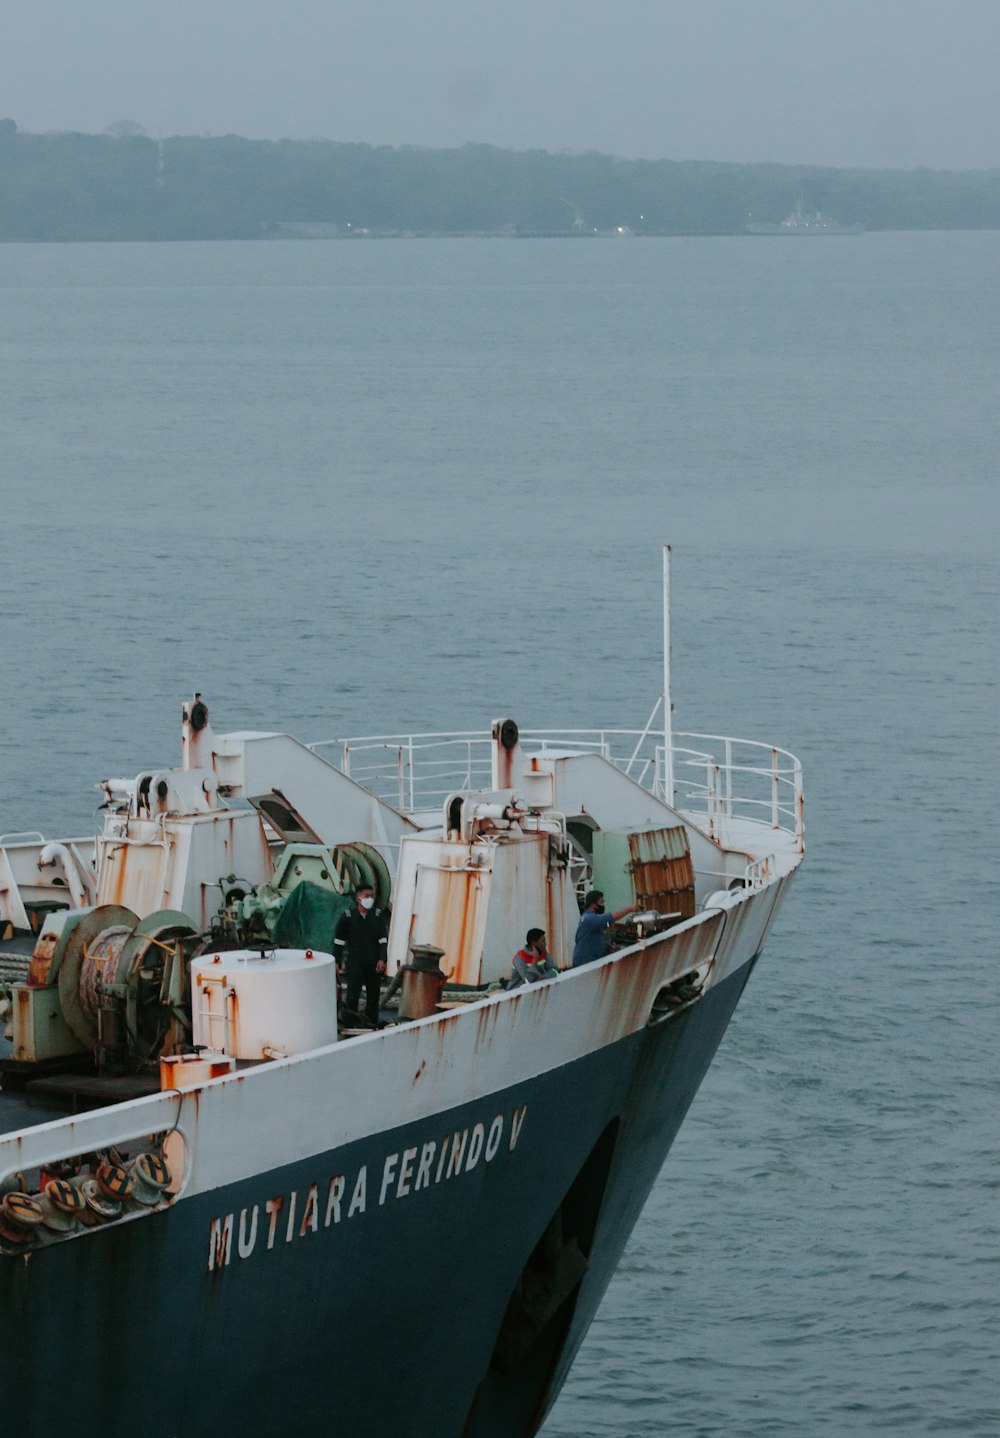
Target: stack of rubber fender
x,y
70,1201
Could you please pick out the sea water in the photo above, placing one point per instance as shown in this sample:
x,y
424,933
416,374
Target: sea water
x,y
358,487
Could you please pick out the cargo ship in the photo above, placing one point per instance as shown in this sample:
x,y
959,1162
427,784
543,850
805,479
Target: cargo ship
x,y
803,222
228,1204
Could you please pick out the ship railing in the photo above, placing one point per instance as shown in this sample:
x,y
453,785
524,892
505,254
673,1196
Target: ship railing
x,y
413,771
418,771
716,778
737,779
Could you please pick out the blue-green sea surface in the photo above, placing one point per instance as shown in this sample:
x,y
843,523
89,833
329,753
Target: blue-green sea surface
x,y
359,487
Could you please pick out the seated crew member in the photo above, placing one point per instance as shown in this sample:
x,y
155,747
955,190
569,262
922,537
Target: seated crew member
x,y
362,936
591,943
533,962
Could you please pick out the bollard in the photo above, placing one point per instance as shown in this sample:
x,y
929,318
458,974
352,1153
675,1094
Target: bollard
x,y
422,982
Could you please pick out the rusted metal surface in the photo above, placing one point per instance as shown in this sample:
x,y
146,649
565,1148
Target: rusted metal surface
x,y
631,983
422,983
184,1071
78,1007
136,873
505,745
41,958
449,911
175,862
662,871
196,735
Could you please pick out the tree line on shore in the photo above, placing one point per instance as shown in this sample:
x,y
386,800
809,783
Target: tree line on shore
x,y
128,186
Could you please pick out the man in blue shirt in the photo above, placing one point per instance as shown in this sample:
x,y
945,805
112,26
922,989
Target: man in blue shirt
x,y
591,943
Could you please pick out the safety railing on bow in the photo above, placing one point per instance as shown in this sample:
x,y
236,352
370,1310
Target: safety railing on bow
x,y
736,779
716,778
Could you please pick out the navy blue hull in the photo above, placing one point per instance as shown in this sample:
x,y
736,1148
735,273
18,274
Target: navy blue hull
x,y
404,1286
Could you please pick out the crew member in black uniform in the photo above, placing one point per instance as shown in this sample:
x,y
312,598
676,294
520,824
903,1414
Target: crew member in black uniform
x,y
360,944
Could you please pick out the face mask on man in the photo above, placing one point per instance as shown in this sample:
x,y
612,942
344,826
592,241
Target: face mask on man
x,y
366,902
600,908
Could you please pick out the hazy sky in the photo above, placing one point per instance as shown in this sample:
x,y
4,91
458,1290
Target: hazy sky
x,y
838,82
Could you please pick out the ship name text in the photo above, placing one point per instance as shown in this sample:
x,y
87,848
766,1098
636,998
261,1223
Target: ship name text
x,y
289,1217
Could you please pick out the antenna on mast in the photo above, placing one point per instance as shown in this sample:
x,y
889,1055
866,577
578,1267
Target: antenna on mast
x,y
668,737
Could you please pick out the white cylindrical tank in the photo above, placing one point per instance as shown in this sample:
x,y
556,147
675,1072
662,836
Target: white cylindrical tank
x,y
268,1007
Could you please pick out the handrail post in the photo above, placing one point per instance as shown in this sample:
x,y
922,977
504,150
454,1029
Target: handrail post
x,y
410,760
729,778
774,789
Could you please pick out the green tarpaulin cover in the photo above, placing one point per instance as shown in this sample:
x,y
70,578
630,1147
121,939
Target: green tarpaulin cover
x,y
308,918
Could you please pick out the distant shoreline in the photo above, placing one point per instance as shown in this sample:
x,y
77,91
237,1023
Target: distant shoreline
x,y
459,235
129,187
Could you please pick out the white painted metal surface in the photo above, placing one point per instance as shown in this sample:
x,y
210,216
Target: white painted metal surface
x,y
276,772
175,861
477,900
33,870
254,1007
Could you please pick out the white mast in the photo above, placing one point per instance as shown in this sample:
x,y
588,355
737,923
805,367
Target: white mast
x,y
668,738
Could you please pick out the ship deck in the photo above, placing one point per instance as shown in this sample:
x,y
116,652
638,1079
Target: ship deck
x,y
751,836
54,1093
20,1109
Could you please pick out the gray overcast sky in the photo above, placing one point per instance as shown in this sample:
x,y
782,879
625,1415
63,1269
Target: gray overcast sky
x,y
836,82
